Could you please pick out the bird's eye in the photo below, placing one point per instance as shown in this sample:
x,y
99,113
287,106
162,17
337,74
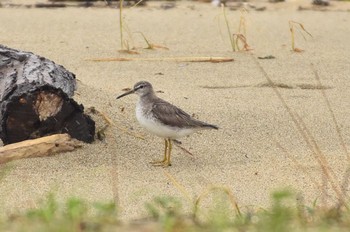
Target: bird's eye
x,y
141,86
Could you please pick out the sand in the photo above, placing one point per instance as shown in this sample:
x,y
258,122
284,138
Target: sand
x,y
242,156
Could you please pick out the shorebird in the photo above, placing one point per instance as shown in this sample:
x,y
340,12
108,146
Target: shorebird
x,y
163,119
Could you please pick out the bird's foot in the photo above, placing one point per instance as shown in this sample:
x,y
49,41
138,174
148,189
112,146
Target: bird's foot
x,y
161,163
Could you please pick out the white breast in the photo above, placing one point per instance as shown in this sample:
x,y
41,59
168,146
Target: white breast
x,y
157,128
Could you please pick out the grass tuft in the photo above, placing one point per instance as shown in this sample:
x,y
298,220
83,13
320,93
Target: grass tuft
x,y
301,29
287,212
237,38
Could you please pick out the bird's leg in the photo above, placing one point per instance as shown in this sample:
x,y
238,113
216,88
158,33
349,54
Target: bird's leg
x,y
162,162
170,146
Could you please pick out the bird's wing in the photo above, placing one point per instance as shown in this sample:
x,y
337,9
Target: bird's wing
x,y
171,115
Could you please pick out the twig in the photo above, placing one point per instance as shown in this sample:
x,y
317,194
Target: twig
x,y
175,59
178,144
185,150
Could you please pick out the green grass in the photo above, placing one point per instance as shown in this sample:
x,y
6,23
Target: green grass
x,y
75,215
166,214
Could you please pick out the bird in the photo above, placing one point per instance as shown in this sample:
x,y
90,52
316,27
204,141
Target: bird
x,y
163,119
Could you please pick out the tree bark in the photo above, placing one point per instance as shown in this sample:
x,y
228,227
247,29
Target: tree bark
x,y
35,99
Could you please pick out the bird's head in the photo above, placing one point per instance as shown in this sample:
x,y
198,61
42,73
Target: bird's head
x,y
141,88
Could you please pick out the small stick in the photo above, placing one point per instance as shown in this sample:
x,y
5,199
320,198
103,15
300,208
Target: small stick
x,y
178,144
176,59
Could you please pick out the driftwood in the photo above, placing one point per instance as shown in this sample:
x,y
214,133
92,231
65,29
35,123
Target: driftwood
x,y
44,146
35,99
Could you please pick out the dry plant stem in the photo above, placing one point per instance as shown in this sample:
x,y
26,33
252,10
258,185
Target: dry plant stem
x,y
110,122
302,27
291,28
129,51
297,164
106,118
324,195
184,149
242,23
175,59
121,24
284,103
329,173
126,131
345,183
228,28
136,4
122,27
44,146
304,133
242,38
335,121
206,192
177,184
149,45
126,42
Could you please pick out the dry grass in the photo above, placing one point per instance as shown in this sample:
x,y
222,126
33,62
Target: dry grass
x,y
172,59
308,138
300,27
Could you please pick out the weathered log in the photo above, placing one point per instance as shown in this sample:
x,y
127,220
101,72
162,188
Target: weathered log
x,y
35,99
44,146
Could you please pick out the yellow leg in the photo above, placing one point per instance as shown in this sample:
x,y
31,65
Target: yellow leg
x,y
161,162
170,147
167,152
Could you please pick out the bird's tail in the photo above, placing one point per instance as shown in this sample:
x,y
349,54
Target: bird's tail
x,y
210,126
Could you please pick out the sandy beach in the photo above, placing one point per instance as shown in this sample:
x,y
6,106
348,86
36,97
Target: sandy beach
x,y
242,155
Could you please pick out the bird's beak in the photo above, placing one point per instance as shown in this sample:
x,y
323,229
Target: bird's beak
x,y
127,93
